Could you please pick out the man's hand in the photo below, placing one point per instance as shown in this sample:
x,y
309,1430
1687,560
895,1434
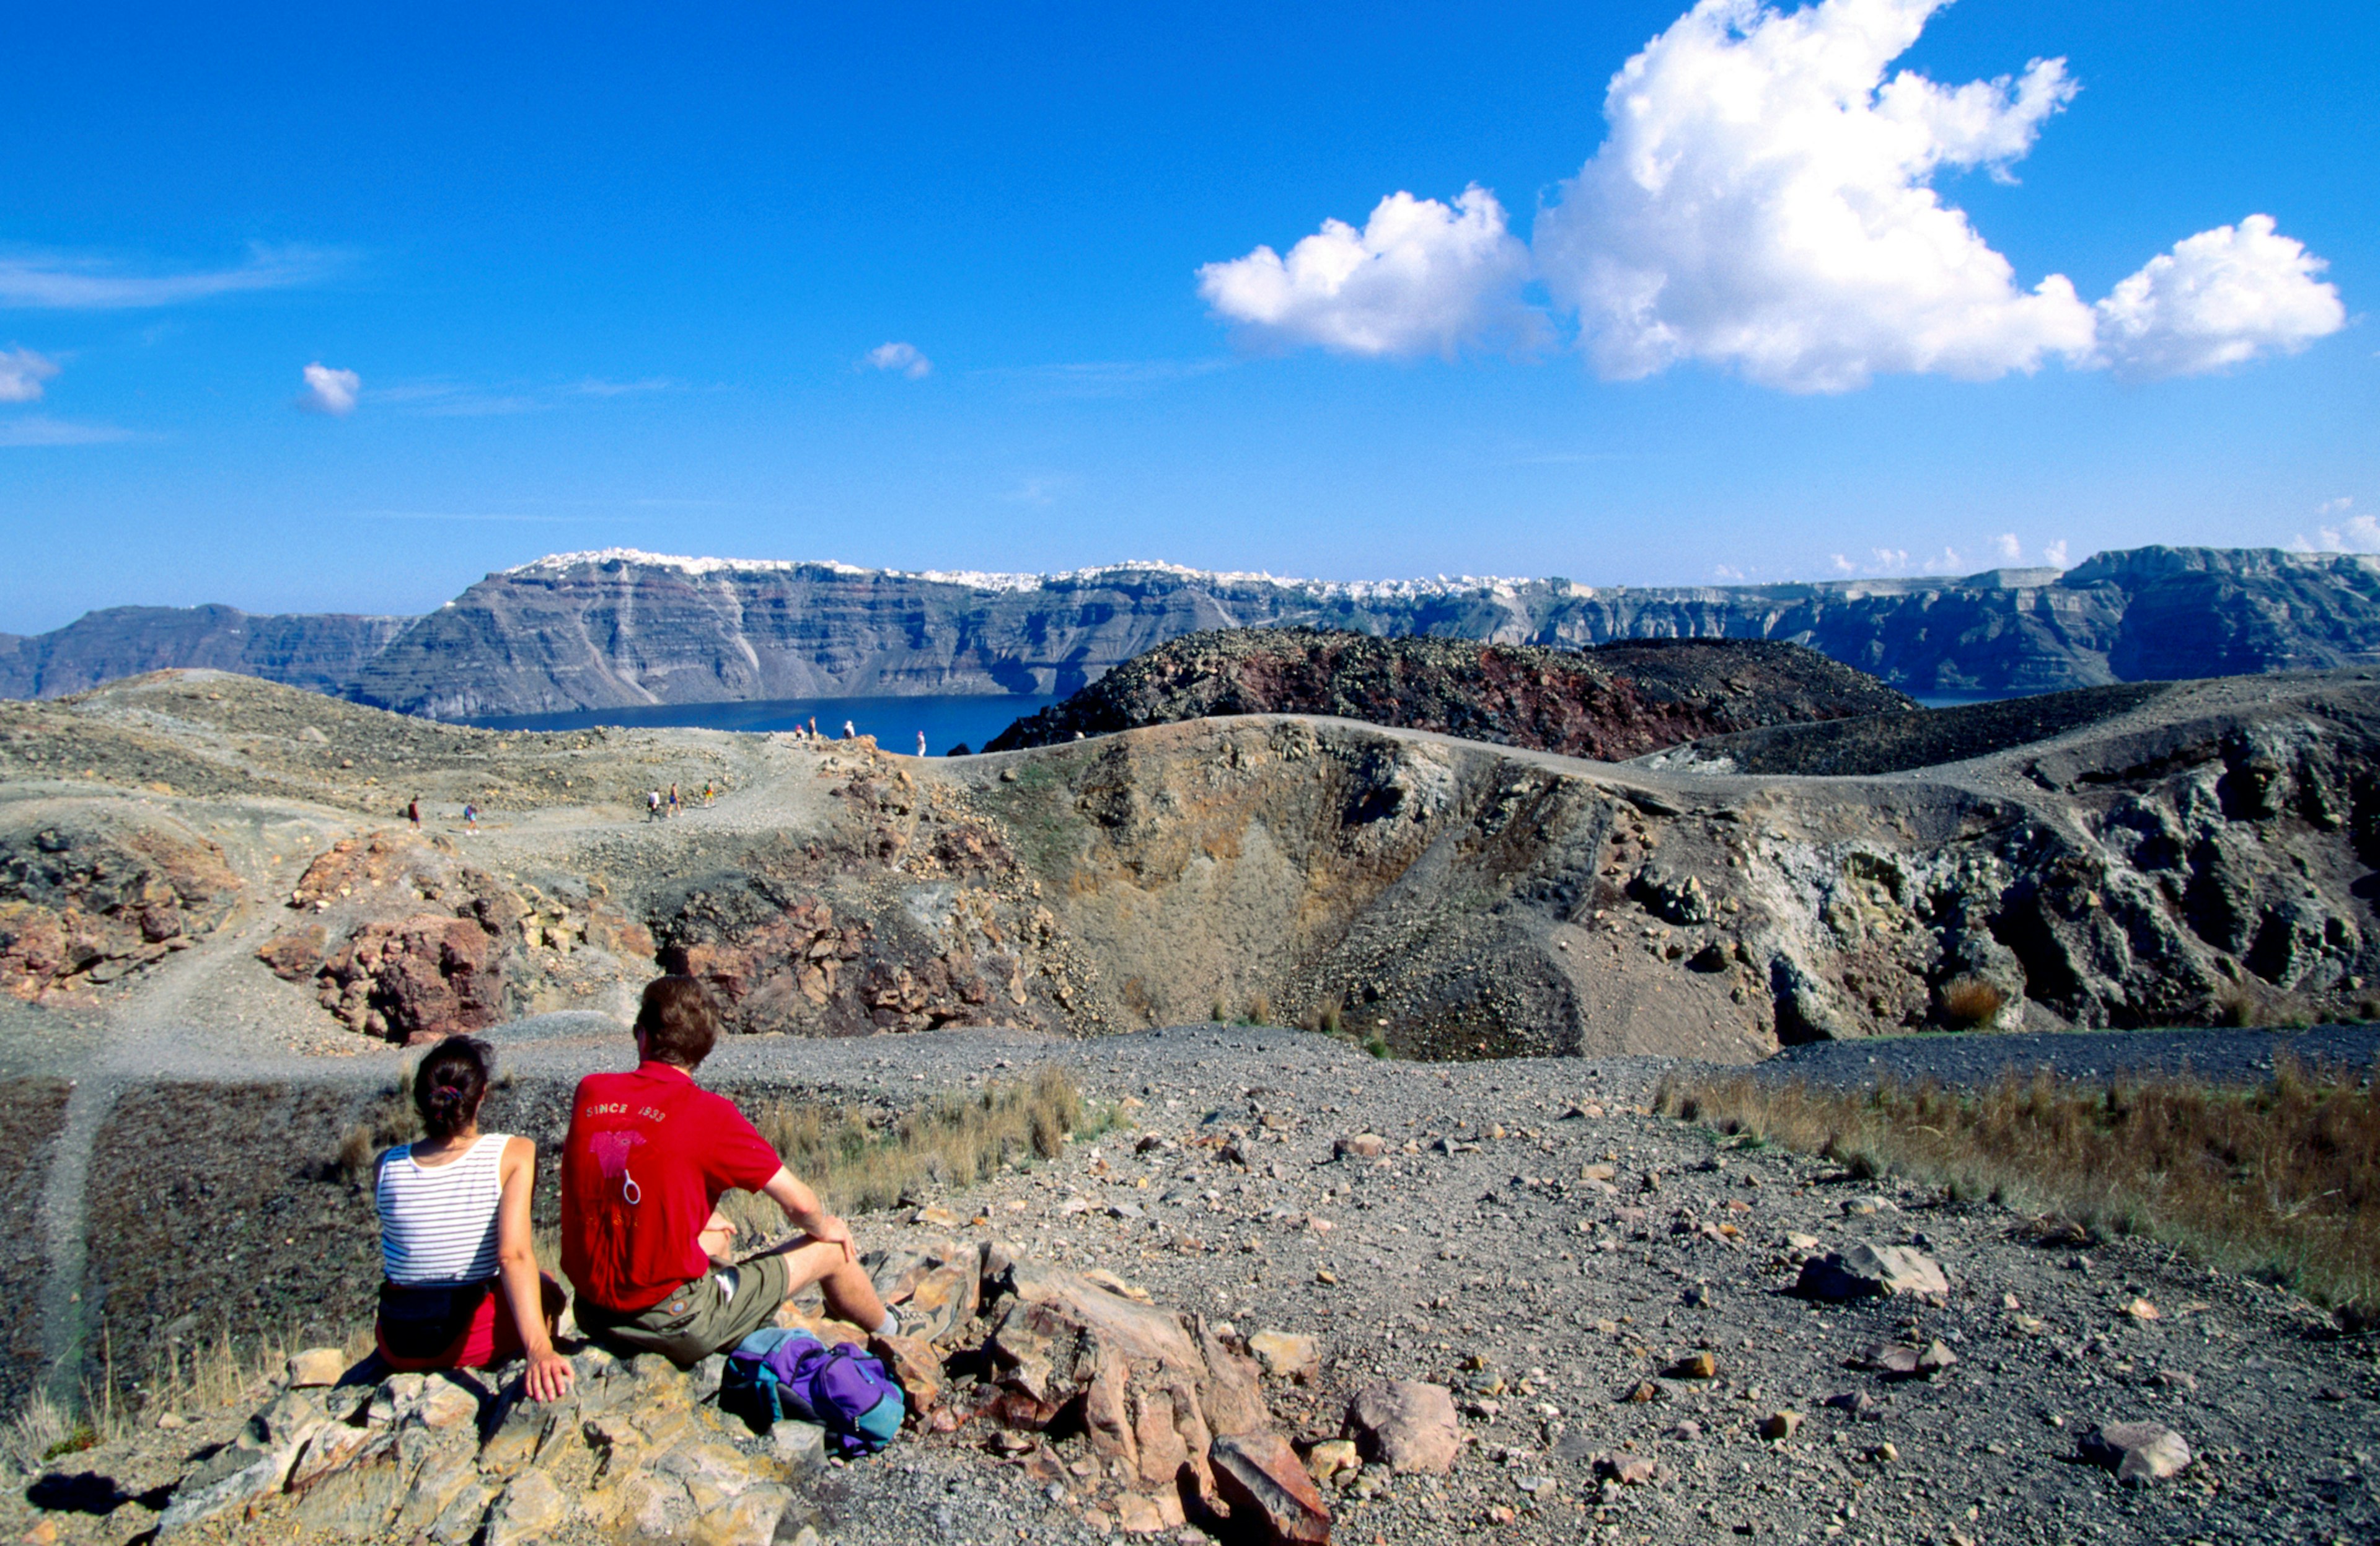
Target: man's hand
x,y
834,1232
549,1376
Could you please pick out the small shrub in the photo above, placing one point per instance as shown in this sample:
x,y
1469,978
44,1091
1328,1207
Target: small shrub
x,y
1969,1002
1376,1044
1260,1012
2237,1009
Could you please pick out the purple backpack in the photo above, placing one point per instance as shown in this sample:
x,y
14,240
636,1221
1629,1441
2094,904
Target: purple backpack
x,y
779,1372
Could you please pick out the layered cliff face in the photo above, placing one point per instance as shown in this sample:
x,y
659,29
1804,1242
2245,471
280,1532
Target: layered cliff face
x,y
623,628
1613,702
321,652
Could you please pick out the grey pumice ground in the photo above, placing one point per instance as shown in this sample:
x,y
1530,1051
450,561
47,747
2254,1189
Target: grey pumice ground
x,y
1566,1292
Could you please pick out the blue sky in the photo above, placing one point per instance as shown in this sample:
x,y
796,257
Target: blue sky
x,y
606,277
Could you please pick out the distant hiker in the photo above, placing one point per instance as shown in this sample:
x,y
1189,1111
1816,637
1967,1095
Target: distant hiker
x,y
921,743
471,816
413,813
648,1156
848,733
813,727
708,789
673,799
460,1287
653,805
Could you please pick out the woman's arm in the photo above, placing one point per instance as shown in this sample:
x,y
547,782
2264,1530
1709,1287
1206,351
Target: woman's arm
x,y
549,1372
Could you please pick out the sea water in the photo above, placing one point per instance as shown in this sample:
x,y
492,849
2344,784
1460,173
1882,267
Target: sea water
x,y
946,719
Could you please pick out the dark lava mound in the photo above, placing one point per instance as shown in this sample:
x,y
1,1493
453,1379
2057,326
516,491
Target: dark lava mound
x,y
1610,703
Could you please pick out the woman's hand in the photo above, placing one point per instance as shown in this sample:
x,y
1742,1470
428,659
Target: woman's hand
x,y
549,1376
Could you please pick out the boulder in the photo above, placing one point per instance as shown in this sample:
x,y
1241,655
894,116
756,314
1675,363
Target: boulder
x,y
1864,1271
530,1508
254,1464
1905,1361
2139,1453
1406,1425
317,1365
1285,1355
1360,1146
915,1366
1270,1496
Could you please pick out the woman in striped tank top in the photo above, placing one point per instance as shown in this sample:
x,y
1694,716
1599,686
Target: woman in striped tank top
x,y
460,1284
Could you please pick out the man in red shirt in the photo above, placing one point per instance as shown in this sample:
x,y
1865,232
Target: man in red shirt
x,y
648,1156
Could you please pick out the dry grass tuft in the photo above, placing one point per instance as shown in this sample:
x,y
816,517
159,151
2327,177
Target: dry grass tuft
x,y
2282,1181
859,1161
1969,1002
43,1429
390,1122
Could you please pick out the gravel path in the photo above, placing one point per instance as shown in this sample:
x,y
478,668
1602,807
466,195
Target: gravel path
x,y
1970,1061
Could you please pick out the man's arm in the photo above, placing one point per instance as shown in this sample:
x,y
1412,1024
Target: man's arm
x,y
803,1207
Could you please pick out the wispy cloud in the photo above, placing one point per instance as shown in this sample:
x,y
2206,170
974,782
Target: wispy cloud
x,y
452,399
505,516
53,281
596,386
329,390
1107,378
22,374
901,358
1036,491
42,429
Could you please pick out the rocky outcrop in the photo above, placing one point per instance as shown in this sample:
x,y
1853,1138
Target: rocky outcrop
x,y
810,938
1609,703
635,1452
91,891
621,629
400,938
1151,1413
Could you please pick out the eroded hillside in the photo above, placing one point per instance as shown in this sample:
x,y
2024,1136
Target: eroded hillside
x,y
224,852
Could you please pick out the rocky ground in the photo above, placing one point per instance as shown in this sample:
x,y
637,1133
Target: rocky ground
x,y
1620,700
1610,1298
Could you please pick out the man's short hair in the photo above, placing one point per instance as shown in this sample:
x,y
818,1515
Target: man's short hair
x,y
677,1021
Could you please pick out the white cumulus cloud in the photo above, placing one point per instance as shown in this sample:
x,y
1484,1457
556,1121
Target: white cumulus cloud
x,y
2055,554
330,390
1764,201
1420,277
2219,298
2008,546
904,359
22,374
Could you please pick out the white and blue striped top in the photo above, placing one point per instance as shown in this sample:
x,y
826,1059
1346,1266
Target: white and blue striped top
x,y
438,1222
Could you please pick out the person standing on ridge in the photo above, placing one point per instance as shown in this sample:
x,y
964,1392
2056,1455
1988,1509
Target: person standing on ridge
x,y
849,734
413,811
921,743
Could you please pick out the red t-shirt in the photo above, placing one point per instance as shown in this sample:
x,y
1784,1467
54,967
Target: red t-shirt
x,y
648,1156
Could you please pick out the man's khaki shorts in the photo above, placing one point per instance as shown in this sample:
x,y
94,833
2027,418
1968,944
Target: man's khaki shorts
x,y
701,1318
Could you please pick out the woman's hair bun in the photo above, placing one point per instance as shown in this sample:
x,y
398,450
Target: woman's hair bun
x,y
450,1083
